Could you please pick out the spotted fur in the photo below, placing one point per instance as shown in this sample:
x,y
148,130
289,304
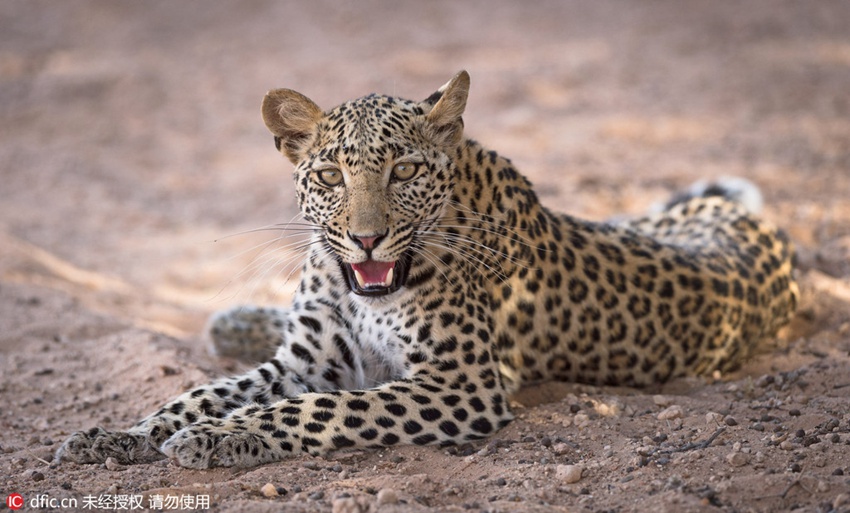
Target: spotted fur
x,y
489,290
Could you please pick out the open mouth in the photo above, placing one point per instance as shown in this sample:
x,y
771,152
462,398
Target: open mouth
x,y
373,278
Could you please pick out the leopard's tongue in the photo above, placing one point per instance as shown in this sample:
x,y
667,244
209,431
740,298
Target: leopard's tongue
x,y
372,273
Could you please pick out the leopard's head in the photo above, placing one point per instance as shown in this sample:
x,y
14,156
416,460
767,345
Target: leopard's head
x,y
372,174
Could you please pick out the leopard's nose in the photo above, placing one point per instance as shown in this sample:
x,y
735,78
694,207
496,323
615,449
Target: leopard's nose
x,y
367,241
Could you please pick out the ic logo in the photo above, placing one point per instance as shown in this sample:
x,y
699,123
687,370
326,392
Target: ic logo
x,y
15,501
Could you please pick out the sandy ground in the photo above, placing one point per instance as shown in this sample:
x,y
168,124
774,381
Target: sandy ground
x,y
132,157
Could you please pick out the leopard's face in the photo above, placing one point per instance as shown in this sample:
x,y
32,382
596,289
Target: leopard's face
x,y
372,175
374,183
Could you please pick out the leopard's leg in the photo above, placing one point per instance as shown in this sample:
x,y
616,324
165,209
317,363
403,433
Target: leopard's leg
x,y
312,356
448,390
422,410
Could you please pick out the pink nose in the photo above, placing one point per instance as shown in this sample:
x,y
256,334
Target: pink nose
x,y
366,242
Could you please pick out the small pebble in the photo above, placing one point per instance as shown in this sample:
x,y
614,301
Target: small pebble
x,y
730,421
764,381
317,496
113,465
37,476
794,412
713,418
347,505
645,450
786,445
386,496
500,482
661,400
561,448
569,473
671,412
311,465
834,438
838,472
269,490
758,426
800,433
737,459
796,468
582,419
337,468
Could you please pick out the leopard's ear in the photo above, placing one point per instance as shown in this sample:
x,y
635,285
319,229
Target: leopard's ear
x,y
292,118
444,122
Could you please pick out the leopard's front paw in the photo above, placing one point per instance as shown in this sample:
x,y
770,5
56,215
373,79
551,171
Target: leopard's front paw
x,y
97,444
214,444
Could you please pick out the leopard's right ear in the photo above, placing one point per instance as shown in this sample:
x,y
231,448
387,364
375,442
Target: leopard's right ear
x,y
292,118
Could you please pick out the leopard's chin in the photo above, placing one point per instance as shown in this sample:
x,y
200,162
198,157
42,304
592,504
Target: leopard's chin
x,y
372,278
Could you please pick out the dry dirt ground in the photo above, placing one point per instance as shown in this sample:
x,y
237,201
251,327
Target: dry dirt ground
x,y
132,148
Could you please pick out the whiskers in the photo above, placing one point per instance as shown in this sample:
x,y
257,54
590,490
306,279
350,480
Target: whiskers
x,y
474,238
275,261
471,238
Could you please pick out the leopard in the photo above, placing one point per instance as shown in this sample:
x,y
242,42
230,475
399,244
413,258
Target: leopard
x,y
436,284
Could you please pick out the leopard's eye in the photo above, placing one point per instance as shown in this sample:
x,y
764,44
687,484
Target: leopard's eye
x,y
404,171
330,177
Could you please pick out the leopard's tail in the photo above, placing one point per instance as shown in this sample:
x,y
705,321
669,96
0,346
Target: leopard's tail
x,y
733,188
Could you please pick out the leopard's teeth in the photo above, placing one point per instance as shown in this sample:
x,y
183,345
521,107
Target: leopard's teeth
x,y
389,279
359,278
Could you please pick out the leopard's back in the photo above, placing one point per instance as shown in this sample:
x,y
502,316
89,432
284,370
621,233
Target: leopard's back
x,y
690,290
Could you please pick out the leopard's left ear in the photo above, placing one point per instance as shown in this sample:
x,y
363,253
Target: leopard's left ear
x,y
444,122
